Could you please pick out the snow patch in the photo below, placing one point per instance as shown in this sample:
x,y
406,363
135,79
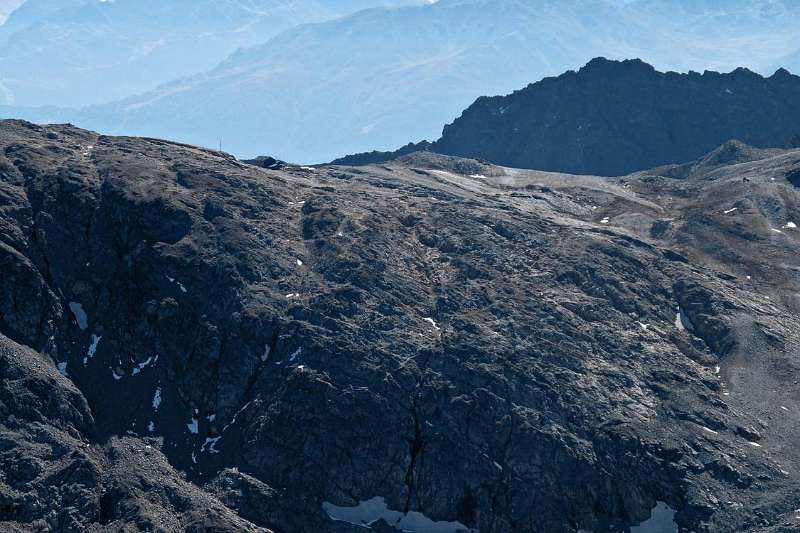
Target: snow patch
x,y
604,221
370,511
662,520
193,426
731,210
116,376
709,430
80,315
233,420
180,285
210,443
432,322
682,322
92,348
141,366
754,444
478,176
265,355
157,399
151,427
62,367
295,354
299,263
790,225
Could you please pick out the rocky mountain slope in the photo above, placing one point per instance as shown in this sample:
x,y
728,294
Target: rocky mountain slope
x,y
55,477
83,52
611,118
380,79
434,342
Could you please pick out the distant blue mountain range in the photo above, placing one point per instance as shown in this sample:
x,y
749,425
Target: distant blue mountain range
x,y
371,80
83,52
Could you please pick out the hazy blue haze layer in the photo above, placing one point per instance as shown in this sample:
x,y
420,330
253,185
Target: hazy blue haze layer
x,y
380,78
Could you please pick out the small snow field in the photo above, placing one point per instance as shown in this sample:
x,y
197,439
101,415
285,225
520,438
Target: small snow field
x,y
80,315
156,399
370,511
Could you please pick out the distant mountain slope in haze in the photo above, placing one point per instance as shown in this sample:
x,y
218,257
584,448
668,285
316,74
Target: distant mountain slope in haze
x,y
6,7
377,79
82,52
374,79
721,16
611,118
381,78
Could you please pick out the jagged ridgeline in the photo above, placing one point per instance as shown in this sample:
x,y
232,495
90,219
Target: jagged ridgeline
x,y
614,117
194,343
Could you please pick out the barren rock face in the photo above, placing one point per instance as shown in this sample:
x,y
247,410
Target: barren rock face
x,y
471,346
611,118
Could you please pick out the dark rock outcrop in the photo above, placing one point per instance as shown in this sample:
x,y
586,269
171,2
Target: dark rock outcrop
x,y
374,157
491,348
266,161
614,117
56,477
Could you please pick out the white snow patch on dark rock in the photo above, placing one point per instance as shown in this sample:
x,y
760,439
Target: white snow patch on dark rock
x,y
79,314
370,511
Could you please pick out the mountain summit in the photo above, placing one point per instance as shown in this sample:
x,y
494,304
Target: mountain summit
x,y
611,118
615,117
